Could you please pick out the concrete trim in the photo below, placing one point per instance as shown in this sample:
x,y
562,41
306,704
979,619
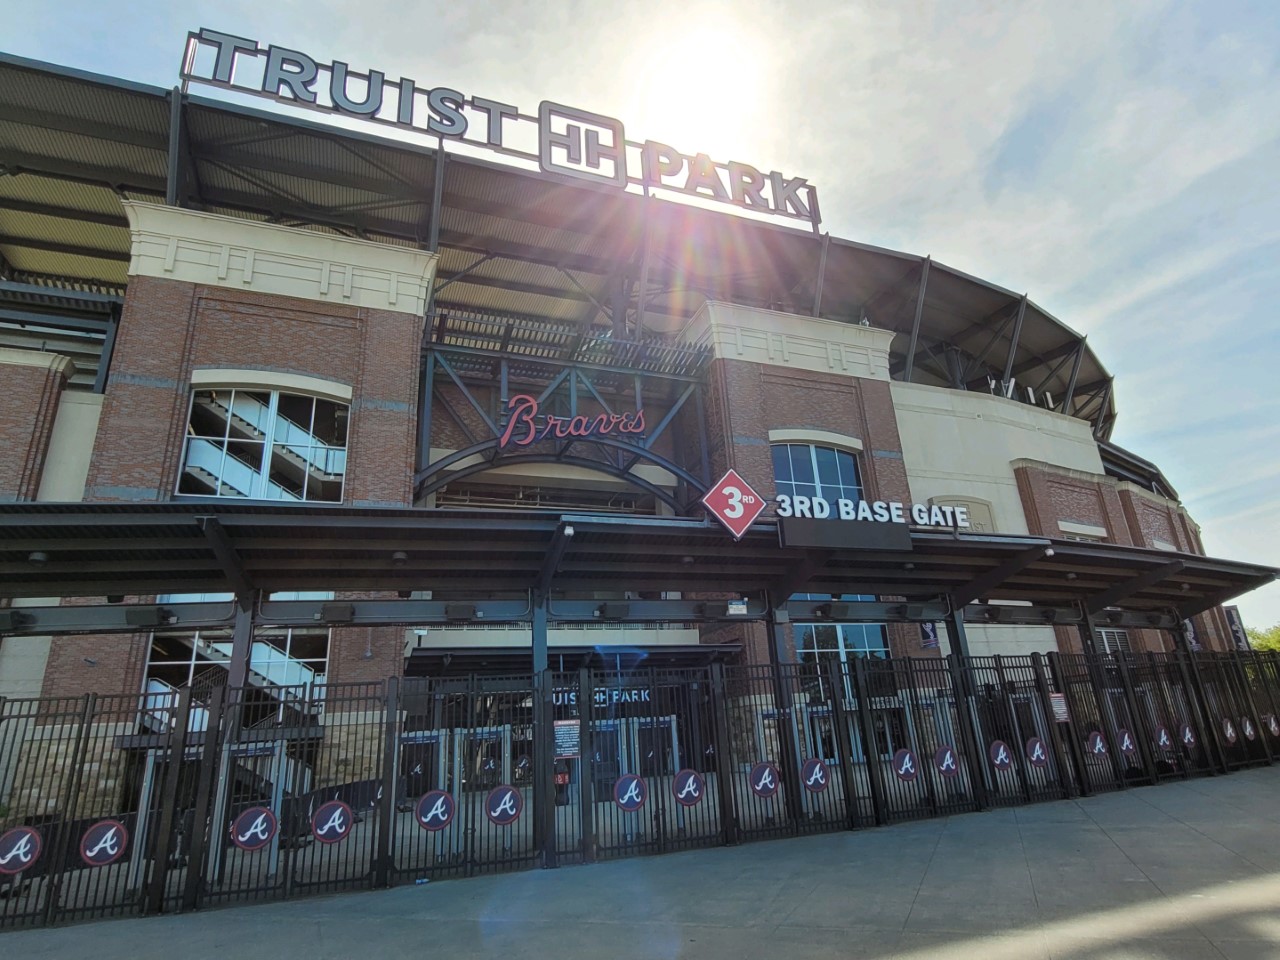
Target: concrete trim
x,y
271,380
35,358
821,438
1082,529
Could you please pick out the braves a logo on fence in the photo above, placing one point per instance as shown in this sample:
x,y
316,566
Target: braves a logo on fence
x,y
332,821
1164,740
945,761
688,788
1037,756
1096,744
254,828
435,810
504,805
905,766
1000,756
104,843
1187,735
1127,744
630,792
764,779
1272,723
813,775
1247,726
19,849
1229,731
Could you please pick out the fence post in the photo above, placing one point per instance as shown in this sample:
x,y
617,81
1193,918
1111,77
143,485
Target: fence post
x,y
1247,701
870,749
544,791
168,802
62,840
1051,723
1199,702
720,737
586,764
382,859
975,755
1073,734
844,744
200,817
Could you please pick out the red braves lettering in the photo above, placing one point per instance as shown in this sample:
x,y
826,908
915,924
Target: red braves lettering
x,y
523,427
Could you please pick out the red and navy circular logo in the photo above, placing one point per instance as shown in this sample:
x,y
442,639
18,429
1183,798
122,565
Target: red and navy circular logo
x,y
1247,726
504,805
813,775
630,792
104,843
1187,735
1000,756
435,810
1272,723
254,828
332,821
19,849
1229,731
945,760
1127,744
1096,744
688,788
1164,740
1037,755
905,766
764,779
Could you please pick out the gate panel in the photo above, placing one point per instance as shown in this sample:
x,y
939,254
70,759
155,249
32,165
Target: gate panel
x,y
762,740
1231,711
1090,701
818,770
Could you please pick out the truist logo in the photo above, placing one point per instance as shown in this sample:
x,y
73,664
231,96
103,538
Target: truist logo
x,y
813,775
905,766
688,788
764,779
19,849
435,810
944,760
523,427
104,843
504,805
630,792
254,828
1037,756
332,821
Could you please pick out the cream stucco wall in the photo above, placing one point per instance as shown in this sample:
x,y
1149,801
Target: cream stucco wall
x,y
963,444
177,244
787,340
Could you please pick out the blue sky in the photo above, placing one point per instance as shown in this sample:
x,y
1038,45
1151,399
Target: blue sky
x,y
1117,161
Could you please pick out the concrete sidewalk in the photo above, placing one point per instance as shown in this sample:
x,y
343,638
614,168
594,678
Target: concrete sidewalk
x,y
1184,870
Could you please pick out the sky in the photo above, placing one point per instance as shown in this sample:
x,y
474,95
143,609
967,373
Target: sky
x,y
1119,162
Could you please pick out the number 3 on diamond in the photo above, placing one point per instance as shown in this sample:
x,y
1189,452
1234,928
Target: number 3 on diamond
x,y
733,509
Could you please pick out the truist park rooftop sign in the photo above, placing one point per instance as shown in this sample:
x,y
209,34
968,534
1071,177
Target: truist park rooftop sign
x,y
560,139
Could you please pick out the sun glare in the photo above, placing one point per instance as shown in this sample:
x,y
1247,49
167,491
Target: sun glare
x,y
701,90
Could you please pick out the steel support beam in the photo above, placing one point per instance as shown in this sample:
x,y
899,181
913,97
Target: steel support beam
x,y
555,553
915,323
1013,342
173,185
1127,588
979,586
822,275
230,561
241,648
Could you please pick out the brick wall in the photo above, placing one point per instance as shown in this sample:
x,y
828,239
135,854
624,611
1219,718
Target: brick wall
x,y
29,397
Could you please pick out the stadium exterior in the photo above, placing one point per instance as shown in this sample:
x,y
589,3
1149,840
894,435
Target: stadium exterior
x,y
335,460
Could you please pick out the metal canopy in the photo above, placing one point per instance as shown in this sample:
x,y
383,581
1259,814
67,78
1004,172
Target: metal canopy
x,y
444,662
103,550
513,242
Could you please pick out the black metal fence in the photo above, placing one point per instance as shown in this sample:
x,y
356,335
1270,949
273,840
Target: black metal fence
x,y
115,806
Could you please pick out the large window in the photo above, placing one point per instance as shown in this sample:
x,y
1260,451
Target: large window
x,y
264,445
803,469
816,642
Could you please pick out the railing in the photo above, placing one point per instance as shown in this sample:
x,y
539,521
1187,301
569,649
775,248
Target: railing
x,y
169,801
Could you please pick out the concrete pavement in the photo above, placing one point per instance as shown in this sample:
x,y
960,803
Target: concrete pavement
x,y
1183,870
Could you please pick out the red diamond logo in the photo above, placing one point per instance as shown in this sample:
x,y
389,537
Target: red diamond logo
x,y
732,501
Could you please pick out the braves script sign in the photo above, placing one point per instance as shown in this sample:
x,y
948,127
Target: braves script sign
x,y
523,426
732,501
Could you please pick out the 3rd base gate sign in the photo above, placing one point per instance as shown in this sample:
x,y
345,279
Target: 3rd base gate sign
x,y
732,501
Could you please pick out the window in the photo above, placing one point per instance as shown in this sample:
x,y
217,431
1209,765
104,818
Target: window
x,y
264,445
811,471
816,642
1112,641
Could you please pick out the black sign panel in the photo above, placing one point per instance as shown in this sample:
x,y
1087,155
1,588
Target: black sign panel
x,y
843,534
